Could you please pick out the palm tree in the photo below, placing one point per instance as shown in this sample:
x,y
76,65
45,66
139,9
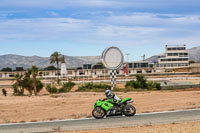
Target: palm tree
x,y
56,57
34,72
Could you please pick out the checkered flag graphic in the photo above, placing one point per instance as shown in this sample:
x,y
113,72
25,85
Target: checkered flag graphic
x,y
113,74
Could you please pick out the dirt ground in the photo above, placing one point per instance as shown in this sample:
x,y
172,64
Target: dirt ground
x,y
80,104
189,127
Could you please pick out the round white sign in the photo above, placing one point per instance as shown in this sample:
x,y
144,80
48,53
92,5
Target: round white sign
x,y
112,58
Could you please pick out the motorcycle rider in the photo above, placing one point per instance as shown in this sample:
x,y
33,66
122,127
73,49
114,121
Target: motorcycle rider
x,y
112,98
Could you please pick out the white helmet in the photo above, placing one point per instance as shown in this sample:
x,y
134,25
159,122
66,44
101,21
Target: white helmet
x,y
108,93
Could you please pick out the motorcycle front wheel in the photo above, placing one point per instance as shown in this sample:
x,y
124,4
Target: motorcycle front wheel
x,y
98,113
129,110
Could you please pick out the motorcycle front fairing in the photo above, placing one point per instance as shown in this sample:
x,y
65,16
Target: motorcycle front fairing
x,y
103,104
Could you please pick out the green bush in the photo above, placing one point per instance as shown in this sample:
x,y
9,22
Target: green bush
x,y
39,85
158,87
142,83
4,92
51,89
93,87
18,91
7,69
67,87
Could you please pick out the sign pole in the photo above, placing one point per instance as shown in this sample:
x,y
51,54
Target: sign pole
x,y
113,59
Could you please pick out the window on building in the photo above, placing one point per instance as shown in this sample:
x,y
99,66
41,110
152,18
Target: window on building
x,y
69,72
130,65
139,71
87,66
144,64
185,59
81,73
173,48
181,48
148,71
11,74
136,65
169,49
41,73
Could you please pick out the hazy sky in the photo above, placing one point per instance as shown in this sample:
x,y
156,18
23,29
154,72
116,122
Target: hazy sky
x,y
87,27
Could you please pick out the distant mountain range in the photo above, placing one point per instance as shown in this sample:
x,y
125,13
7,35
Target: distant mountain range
x,y
14,61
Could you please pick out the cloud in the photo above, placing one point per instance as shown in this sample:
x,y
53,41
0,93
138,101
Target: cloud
x,y
153,19
61,4
130,29
109,4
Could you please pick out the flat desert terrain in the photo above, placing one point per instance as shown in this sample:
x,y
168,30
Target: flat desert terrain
x,y
75,105
187,127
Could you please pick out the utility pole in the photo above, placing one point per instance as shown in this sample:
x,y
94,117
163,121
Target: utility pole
x,y
126,69
143,57
127,54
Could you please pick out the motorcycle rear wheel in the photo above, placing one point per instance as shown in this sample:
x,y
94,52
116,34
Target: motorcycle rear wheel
x,y
129,110
98,113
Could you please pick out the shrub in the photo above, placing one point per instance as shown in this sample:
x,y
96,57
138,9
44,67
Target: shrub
x,y
7,69
133,84
51,89
153,85
67,87
39,85
93,87
142,83
150,85
158,87
18,91
50,68
4,92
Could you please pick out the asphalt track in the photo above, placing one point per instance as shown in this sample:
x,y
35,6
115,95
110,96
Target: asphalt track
x,y
90,123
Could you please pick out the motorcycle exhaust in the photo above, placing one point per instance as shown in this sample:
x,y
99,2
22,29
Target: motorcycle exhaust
x,y
129,101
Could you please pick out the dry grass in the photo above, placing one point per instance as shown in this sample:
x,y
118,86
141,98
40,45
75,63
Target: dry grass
x,y
189,127
80,104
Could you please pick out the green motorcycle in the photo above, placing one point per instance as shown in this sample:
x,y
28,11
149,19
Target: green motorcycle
x,y
104,108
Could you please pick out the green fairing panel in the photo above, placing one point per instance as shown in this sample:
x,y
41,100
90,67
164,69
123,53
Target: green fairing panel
x,y
103,104
98,103
125,99
106,106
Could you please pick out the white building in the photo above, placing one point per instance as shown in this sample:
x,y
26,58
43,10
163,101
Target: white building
x,y
175,57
